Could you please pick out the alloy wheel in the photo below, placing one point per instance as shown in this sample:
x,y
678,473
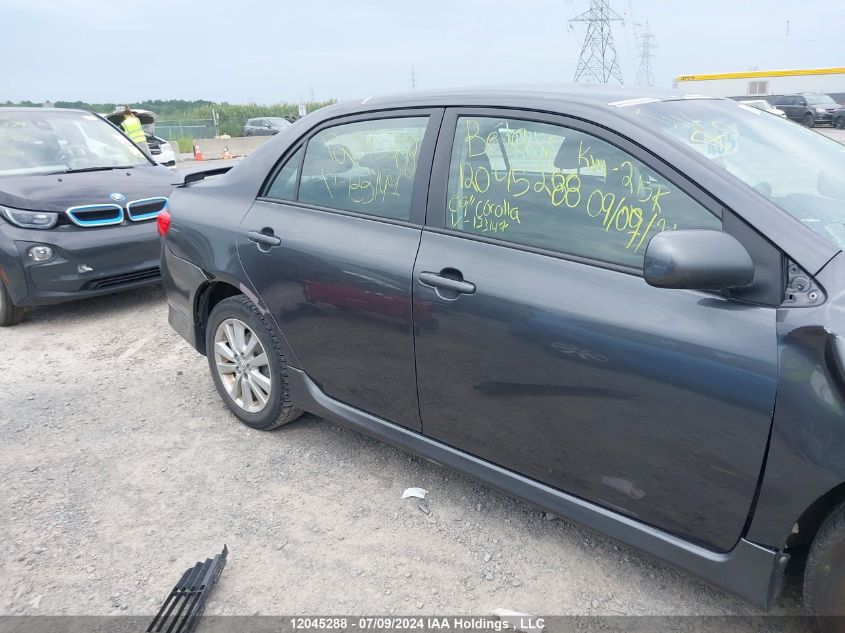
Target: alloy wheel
x,y
242,365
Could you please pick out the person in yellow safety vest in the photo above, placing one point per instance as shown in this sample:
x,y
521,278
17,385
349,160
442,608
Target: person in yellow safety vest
x,y
132,127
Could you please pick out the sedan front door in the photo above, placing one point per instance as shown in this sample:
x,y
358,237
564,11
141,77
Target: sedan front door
x,y
541,348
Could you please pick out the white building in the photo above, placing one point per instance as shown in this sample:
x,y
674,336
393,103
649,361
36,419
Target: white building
x,y
764,83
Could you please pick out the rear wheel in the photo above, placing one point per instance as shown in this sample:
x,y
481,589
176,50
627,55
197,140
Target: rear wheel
x,y
10,314
247,364
809,120
824,574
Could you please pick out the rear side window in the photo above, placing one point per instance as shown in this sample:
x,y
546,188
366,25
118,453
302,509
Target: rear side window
x,y
283,186
560,189
367,167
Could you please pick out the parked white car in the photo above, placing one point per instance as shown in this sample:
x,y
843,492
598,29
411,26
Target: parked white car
x,y
161,151
762,104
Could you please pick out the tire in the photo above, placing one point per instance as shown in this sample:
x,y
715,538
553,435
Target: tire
x,y
253,385
809,120
824,574
839,123
10,314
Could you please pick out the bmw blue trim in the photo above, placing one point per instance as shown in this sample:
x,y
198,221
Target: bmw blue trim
x,y
78,221
148,215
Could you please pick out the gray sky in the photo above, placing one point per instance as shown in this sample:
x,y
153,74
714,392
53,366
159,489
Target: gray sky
x,y
270,51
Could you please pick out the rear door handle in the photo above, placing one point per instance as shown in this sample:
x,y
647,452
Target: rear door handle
x,y
438,281
265,239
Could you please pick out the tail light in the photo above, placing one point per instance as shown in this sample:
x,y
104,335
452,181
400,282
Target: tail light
x,y
163,222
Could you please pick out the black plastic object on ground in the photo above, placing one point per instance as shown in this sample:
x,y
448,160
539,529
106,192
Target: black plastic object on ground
x,y
186,603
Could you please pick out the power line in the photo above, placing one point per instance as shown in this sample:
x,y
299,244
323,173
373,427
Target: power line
x,y
598,62
645,74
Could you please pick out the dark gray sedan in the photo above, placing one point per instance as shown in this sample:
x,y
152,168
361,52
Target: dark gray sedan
x,y
625,308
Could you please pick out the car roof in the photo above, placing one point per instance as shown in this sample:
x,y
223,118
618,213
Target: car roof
x,y
516,96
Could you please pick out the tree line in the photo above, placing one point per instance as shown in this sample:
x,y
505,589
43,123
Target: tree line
x,y
230,116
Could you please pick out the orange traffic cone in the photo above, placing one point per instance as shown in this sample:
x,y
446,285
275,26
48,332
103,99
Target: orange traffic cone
x,y
197,152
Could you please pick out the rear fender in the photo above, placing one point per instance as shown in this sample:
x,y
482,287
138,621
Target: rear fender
x,y
202,309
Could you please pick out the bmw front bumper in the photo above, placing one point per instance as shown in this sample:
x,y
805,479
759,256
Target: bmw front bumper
x,y
85,263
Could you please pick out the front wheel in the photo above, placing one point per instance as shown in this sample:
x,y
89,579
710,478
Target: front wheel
x,y
10,314
839,123
809,120
824,574
247,364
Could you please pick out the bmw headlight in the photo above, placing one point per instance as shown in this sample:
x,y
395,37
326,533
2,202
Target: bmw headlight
x,y
30,219
821,110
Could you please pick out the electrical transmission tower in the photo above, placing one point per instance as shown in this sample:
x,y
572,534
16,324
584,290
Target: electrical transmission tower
x,y
645,75
598,62
413,78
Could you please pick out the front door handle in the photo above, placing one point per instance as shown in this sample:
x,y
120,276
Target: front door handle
x,y
264,239
447,283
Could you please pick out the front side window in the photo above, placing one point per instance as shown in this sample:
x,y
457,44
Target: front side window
x,y
799,170
560,189
367,167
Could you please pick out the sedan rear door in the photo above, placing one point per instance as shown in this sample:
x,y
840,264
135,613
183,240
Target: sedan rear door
x,y
330,246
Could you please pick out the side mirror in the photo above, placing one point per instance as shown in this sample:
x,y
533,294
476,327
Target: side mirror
x,y
699,259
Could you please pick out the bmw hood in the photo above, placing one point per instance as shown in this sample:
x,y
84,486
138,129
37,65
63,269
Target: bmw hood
x,y
59,191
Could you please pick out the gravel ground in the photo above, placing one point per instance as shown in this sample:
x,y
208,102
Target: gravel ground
x,y
836,135
121,467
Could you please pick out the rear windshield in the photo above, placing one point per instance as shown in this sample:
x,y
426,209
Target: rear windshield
x,y
278,122
819,100
55,141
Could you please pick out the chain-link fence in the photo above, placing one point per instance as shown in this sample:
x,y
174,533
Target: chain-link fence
x,y
176,129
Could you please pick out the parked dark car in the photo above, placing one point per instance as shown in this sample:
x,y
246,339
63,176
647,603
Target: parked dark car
x,y
625,308
809,108
265,126
77,204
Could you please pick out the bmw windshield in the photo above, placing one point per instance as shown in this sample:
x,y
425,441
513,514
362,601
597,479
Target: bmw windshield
x,y
801,171
60,141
